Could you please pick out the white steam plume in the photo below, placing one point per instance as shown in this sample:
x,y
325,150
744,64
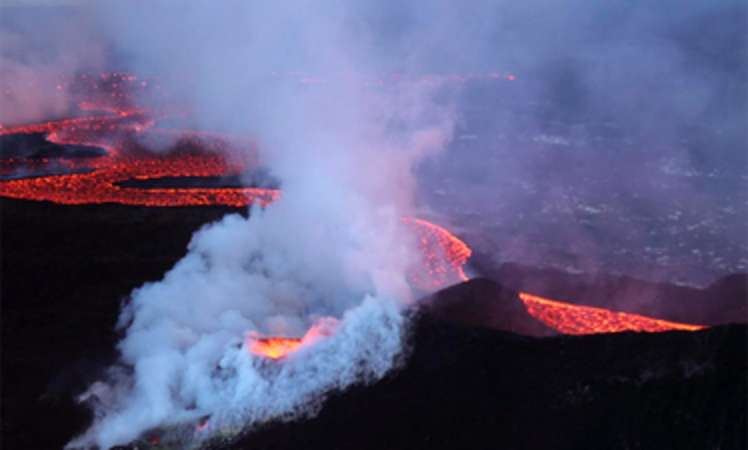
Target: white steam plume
x,y
333,247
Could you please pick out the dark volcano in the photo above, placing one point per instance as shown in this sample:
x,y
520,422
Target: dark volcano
x,y
483,303
463,384
466,387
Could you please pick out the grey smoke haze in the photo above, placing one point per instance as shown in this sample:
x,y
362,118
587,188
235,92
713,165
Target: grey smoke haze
x,y
38,48
621,147
626,125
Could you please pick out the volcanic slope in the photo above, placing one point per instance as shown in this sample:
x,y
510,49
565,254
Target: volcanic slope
x,y
468,387
468,383
66,268
724,301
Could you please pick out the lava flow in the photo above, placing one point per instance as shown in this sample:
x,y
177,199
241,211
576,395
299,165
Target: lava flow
x,y
443,255
102,177
568,318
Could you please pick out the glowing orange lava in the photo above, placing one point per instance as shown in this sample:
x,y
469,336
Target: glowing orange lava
x,y
443,255
273,347
277,347
100,185
101,181
568,318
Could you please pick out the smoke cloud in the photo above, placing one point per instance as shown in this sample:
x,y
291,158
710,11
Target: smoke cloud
x,y
332,254
41,49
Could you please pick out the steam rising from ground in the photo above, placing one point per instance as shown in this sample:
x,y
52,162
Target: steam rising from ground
x,y
331,253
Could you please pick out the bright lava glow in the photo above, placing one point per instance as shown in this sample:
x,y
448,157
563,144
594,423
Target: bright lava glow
x,y
273,347
443,255
277,347
100,181
568,318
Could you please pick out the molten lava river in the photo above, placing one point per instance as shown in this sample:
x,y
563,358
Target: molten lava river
x,y
122,132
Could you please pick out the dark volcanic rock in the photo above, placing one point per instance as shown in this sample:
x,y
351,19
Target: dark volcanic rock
x,y
476,388
483,303
65,270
